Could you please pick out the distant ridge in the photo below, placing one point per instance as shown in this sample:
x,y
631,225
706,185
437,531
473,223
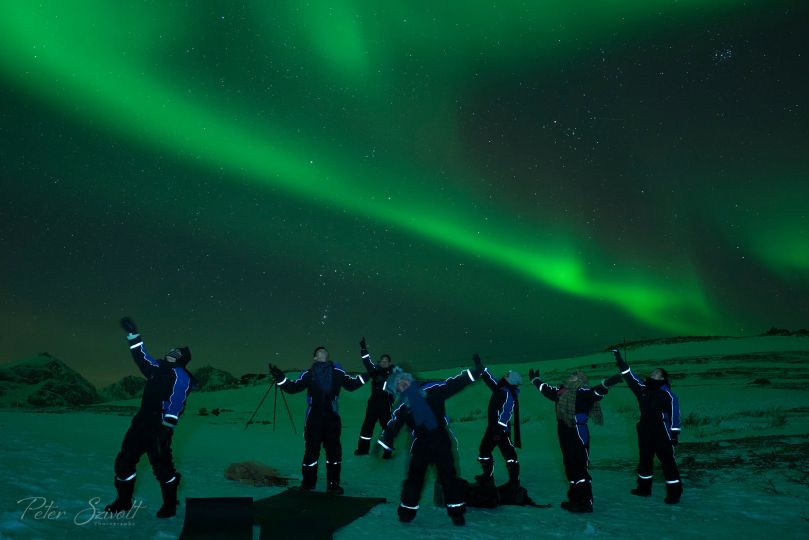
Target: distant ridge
x,y
44,381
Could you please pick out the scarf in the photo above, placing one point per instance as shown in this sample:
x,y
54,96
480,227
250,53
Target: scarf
x,y
422,413
566,406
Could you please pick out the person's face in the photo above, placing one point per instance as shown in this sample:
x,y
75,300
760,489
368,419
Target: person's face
x,y
384,362
402,385
657,375
574,377
170,359
322,355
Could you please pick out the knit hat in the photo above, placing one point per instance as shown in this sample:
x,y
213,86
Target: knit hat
x,y
393,380
513,378
181,355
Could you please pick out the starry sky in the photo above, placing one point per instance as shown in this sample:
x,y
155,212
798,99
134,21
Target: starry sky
x,y
524,179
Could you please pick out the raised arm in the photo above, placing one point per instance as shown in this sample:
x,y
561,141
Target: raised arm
x,y
290,386
348,382
550,392
632,381
487,378
143,359
671,416
365,356
505,412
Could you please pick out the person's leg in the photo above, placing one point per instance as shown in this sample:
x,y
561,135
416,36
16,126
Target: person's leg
x,y
367,430
414,482
334,454
485,457
580,499
448,478
132,448
512,463
160,456
645,461
312,436
665,453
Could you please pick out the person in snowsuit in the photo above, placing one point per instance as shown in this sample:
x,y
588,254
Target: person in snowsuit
x,y
168,383
322,382
380,402
422,409
503,406
575,404
658,429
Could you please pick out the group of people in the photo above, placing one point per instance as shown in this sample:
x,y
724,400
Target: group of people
x,y
397,399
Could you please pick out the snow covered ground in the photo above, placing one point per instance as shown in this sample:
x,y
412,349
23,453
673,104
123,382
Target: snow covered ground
x,y
744,456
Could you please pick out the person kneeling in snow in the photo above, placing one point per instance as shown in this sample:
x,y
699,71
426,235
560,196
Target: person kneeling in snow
x,y
322,383
502,406
422,408
575,403
167,386
658,429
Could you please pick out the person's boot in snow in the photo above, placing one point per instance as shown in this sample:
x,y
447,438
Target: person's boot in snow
x,y
513,473
458,519
363,446
673,492
123,502
309,477
644,488
333,478
169,491
486,478
406,515
581,500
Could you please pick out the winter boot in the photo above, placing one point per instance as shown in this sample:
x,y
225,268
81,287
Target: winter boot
x,y
487,476
580,501
309,477
513,473
363,446
333,478
170,502
458,519
406,515
387,454
644,488
123,502
673,492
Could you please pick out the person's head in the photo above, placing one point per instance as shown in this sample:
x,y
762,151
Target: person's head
x,y
399,381
384,361
577,378
180,356
321,354
660,375
513,378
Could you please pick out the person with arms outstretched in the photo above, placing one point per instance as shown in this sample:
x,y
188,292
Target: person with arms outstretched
x,y
575,404
422,408
322,382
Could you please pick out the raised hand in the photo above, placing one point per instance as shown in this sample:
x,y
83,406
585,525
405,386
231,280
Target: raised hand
x,y
129,325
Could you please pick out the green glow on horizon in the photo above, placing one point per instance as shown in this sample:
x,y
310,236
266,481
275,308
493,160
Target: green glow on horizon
x,y
129,93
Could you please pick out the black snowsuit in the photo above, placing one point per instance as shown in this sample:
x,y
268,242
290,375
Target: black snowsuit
x,y
574,440
498,429
151,431
379,404
429,447
322,382
658,432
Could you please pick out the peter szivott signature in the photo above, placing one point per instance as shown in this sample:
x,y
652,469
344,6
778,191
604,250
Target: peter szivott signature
x,y
44,509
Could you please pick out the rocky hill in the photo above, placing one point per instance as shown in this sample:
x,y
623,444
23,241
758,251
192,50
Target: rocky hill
x,y
44,381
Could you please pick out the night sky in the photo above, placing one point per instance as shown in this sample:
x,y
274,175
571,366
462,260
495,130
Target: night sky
x,y
524,179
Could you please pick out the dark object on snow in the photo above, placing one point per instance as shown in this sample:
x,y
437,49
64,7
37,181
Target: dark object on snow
x,y
486,495
306,514
218,518
255,474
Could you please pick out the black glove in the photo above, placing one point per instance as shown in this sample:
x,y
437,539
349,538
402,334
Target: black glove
x,y
277,373
363,345
619,360
129,325
533,374
675,438
478,368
